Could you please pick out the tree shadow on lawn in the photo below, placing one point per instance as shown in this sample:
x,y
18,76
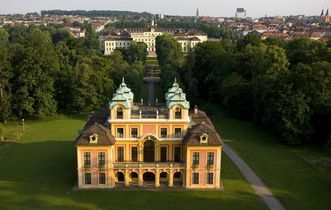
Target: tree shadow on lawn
x,y
41,175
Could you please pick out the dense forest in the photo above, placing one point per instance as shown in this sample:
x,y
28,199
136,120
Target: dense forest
x,y
284,87
44,71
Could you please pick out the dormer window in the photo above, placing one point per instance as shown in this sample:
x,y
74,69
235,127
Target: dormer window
x,y
119,113
204,138
178,113
94,138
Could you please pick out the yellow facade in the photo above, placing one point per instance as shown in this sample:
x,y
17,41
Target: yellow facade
x,y
149,147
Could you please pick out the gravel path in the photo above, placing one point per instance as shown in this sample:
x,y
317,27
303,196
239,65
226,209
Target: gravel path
x,y
256,183
151,94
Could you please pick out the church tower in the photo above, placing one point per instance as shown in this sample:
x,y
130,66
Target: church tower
x,y
327,17
197,14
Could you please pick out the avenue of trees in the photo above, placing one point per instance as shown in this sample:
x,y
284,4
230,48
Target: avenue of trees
x,y
44,71
284,87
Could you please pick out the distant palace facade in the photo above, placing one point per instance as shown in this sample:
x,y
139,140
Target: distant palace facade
x,y
134,145
123,38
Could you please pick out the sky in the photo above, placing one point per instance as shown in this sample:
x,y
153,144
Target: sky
x,y
216,8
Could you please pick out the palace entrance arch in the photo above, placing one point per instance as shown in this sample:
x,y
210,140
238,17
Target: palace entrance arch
x,y
149,151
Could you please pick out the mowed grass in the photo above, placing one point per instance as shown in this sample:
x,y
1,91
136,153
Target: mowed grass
x,y
39,170
151,60
299,176
144,92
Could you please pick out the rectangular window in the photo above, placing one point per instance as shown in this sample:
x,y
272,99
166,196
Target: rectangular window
x,y
163,154
178,132
210,158
120,154
195,178
210,178
134,132
87,159
87,178
120,132
134,154
195,158
177,154
163,132
101,158
102,178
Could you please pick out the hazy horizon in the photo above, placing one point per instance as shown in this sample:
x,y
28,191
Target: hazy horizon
x,y
221,8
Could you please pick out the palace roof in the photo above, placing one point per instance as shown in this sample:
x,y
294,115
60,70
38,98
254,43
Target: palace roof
x,y
118,38
201,125
104,137
99,117
192,138
185,38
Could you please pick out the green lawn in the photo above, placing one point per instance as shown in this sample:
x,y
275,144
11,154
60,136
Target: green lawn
x,y
144,92
38,172
299,176
151,60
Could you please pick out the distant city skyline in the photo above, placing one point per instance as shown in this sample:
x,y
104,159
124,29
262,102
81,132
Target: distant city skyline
x,y
216,8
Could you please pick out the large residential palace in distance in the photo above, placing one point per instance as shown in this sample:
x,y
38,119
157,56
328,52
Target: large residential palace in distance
x,y
132,145
123,38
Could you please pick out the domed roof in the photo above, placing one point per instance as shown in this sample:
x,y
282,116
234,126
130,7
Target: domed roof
x,y
175,96
123,96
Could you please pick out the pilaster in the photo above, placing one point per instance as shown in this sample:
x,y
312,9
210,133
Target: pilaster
x,y
157,179
171,178
140,178
126,178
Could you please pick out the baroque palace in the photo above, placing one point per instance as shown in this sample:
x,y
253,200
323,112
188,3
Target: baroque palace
x,y
123,38
153,146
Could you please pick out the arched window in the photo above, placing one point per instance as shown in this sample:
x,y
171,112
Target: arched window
x,y
178,113
120,113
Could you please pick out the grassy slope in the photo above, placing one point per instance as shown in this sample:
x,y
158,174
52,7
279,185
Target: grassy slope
x,y
299,177
158,92
38,172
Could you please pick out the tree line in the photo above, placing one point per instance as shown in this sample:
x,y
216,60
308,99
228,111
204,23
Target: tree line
x,y
212,30
44,71
97,13
284,87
